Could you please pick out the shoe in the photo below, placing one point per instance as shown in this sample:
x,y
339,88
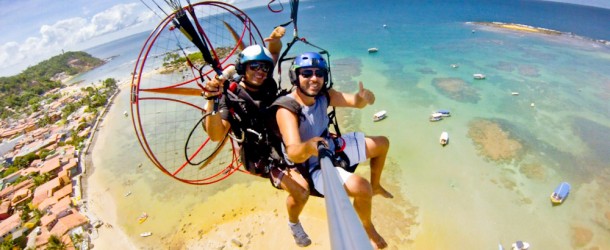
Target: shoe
x,y
300,237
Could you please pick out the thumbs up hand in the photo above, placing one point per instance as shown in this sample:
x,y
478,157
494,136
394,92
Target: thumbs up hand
x,y
365,95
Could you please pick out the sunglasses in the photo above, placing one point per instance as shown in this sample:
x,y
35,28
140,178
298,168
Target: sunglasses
x,y
307,73
254,66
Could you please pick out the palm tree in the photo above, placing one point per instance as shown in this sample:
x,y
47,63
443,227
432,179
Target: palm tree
x,y
55,243
77,239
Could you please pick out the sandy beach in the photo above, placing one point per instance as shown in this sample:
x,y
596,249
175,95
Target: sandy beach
x,y
100,204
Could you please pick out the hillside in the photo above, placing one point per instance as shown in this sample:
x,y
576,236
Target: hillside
x,y
18,91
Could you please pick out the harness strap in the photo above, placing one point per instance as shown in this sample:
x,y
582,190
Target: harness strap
x,y
259,149
339,158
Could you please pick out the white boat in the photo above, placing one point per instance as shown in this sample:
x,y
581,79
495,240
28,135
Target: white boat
x,y
434,117
455,65
444,140
380,116
373,50
444,112
521,245
125,113
478,76
514,93
145,234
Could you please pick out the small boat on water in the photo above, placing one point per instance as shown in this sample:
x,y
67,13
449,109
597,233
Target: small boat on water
x,y
444,140
444,112
127,194
143,217
455,66
478,76
521,245
145,234
380,116
125,113
514,93
560,193
434,117
373,50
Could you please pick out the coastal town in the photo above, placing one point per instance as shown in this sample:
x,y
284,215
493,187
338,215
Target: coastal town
x,y
43,165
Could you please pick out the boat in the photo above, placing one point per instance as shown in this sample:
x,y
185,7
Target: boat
x,y
125,113
373,50
514,93
444,140
127,194
145,234
434,117
380,116
444,112
521,245
560,193
142,218
455,66
478,76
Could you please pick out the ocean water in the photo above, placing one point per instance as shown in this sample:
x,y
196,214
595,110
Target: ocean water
x,y
480,190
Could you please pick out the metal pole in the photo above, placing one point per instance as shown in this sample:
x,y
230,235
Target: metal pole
x,y
345,227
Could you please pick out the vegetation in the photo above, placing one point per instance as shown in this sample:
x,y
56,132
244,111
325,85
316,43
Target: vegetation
x,y
8,243
95,99
55,243
174,62
27,88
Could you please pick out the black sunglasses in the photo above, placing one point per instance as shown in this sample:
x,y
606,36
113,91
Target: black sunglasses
x,y
307,73
254,66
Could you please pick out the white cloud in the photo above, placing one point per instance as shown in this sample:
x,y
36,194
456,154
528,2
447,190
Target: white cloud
x,y
72,32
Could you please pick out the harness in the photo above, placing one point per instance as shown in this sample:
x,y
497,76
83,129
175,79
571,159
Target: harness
x,y
339,158
259,152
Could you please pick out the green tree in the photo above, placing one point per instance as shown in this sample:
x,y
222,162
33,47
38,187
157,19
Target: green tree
x,y
40,179
8,243
55,243
77,239
44,121
110,83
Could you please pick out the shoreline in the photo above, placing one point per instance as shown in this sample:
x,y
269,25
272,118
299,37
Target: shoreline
x,y
100,205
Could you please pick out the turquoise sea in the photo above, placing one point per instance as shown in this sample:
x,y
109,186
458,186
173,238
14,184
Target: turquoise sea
x,y
507,152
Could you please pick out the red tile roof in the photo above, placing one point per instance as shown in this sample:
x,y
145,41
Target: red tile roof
x,y
68,222
45,191
6,226
50,164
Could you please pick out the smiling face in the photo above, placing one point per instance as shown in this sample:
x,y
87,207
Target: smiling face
x,y
311,80
256,73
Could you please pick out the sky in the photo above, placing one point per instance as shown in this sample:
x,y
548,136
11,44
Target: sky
x,y
35,30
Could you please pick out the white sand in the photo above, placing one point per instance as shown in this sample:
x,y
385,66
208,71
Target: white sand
x,y
99,201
